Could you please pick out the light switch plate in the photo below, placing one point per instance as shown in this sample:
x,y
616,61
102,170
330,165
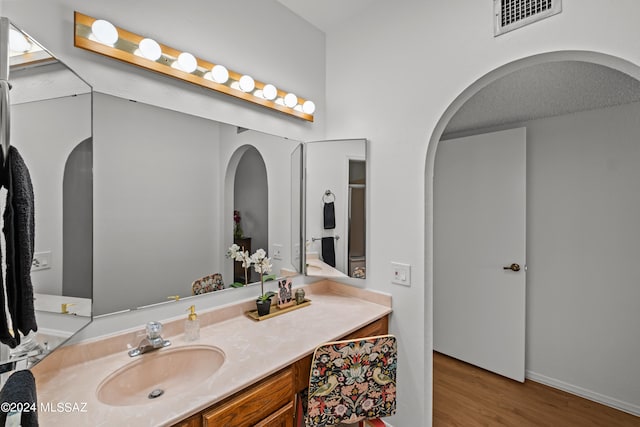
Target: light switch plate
x,y
277,251
401,274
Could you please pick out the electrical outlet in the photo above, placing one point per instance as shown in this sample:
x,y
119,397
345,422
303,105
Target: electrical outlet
x,y
277,251
401,274
41,261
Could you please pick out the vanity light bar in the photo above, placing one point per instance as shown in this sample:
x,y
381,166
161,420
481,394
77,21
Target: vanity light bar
x,y
100,36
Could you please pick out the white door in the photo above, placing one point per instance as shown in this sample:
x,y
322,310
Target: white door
x,y
479,235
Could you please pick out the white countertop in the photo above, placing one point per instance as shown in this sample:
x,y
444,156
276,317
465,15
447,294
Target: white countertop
x,y
253,351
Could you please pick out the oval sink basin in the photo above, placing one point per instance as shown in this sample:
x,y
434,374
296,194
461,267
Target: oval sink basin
x,y
160,374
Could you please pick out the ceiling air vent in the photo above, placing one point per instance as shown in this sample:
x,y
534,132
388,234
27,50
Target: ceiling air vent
x,y
512,14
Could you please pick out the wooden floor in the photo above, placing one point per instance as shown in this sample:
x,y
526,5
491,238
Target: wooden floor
x,y
467,396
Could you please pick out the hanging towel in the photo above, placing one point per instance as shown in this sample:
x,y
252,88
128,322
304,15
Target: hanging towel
x,y
19,236
329,216
328,251
20,388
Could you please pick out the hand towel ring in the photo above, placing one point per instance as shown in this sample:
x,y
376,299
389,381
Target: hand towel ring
x,y
328,197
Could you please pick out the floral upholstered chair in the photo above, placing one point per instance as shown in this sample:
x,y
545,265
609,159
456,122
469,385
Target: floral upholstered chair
x,y
352,381
206,284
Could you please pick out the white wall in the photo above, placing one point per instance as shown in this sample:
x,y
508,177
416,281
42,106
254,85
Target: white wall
x,y
45,146
583,244
441,48
156,216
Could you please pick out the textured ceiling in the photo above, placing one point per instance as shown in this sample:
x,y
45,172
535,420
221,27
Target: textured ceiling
x,y
545,90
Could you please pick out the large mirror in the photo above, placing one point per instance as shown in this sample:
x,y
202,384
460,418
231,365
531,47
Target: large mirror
x,y
51,128
173,192
335,210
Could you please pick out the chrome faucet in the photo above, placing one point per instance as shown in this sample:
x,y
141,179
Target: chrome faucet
x,y
152,341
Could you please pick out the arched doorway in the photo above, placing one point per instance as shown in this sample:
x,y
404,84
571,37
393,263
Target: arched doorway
x,y
250,199
592,306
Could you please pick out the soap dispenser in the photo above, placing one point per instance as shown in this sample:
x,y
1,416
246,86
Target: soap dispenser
x,y
192,325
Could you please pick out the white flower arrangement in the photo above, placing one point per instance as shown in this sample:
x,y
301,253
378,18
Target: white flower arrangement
x,y
237,254
261,264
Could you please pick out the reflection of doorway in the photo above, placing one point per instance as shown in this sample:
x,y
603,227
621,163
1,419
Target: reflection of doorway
x,y
582,189
77,222
251,199
357,215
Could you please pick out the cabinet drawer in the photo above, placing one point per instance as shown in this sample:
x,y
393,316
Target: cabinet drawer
x,y
193,421
379,327
282,418
253,405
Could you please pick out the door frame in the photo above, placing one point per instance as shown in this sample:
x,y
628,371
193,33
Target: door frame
x,y
599,58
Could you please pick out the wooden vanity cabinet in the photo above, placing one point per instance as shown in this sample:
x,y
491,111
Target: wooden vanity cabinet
x,y
271,401
192,421
266,403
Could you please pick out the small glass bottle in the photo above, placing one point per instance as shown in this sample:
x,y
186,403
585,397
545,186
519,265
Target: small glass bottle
x,y
192,325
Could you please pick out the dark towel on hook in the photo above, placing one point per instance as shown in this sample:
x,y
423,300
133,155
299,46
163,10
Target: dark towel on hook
x,y
20,389
328,251
19,235
329,216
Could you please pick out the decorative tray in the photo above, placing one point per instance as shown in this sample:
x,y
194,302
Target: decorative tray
x,y
276,311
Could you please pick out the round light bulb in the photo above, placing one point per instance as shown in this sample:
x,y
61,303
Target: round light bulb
x,y
187,62
290,100
150,49
269,92
247,84
308,107
219,74
104,31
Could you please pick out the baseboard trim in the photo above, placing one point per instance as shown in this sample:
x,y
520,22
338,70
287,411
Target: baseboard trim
x,y
582,392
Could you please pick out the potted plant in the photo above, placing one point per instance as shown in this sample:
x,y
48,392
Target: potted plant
x,y
262,265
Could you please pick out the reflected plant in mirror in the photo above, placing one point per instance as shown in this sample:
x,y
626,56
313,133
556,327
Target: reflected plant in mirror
x,y
238,254
335,211
51,126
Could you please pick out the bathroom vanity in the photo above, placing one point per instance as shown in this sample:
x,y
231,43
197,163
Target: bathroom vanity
x,y
259,365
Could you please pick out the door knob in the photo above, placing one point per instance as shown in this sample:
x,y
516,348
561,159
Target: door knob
x,y
513,267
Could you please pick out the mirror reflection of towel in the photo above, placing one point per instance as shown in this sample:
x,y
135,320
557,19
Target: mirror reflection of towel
x,y
328,251
329,216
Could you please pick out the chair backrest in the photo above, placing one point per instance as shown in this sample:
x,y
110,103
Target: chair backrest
x,y
210,283
352,380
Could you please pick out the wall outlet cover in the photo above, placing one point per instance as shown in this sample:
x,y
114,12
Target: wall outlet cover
x,y
277,251
41,261
400,274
